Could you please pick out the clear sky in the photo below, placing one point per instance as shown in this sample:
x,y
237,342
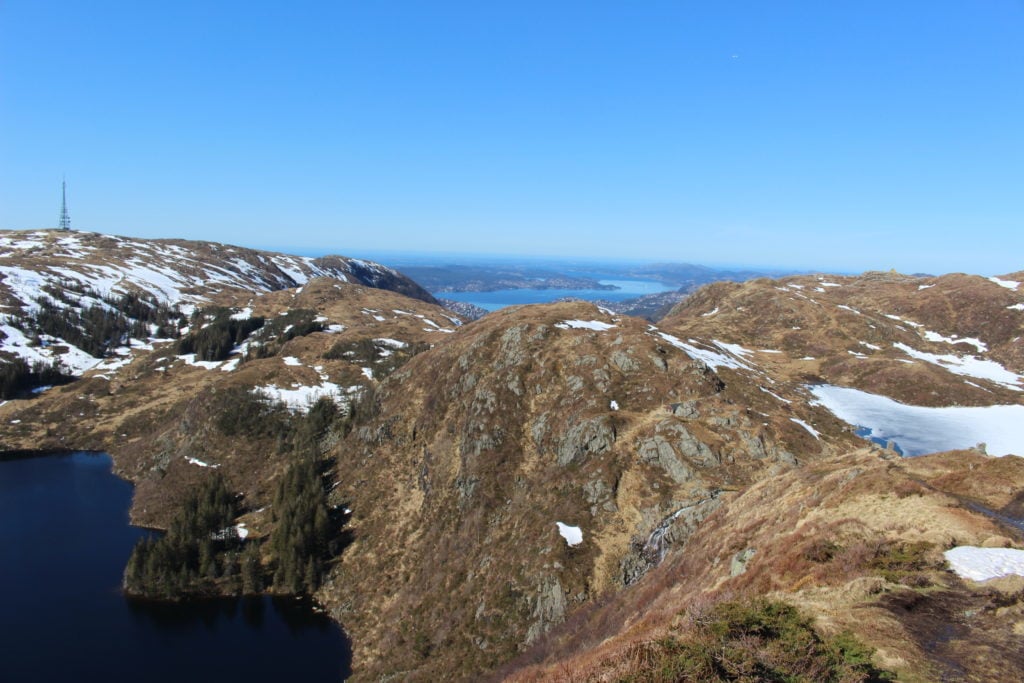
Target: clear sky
x,y
816,134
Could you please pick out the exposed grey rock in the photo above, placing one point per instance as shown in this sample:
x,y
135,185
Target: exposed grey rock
x,y
674,529
686,409
512,351
484,402
598,493
740,560
466,487
476,439
592,436
539,430
624,362
783,455
548,610
467,382
688,445
754,446
658,451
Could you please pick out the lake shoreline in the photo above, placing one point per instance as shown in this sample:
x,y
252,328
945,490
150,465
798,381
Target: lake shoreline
x,y
28,453
84,564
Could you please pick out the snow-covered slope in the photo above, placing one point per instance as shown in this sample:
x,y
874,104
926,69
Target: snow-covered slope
x,y
173,271
48,273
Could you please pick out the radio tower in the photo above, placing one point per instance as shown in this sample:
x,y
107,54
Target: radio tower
x,y
65,219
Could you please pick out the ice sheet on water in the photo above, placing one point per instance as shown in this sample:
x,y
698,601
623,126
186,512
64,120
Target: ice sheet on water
x,y
919,429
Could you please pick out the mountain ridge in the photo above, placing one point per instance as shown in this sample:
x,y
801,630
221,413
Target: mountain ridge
x,y
459,451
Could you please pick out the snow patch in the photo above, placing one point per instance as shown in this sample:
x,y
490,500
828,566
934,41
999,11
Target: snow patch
x,y
573,535
774,395
968,366
973,341
982,564
595,325
1009,284
299,399
190,359
809,428
899,319
713,359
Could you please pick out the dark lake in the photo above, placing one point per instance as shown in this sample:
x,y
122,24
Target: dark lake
x,y
64,541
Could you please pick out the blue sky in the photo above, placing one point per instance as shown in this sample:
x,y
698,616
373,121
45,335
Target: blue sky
x,y
828,135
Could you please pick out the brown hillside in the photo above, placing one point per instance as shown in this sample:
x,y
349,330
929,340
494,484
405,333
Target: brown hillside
x,y
854,541
845,330
484,443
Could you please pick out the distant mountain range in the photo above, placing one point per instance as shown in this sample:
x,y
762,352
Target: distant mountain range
x,y
558,491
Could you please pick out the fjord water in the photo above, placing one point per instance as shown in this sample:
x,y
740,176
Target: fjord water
x,y
64,542
500,298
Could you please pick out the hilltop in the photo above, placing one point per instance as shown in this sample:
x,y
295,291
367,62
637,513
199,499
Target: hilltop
x,y
70,299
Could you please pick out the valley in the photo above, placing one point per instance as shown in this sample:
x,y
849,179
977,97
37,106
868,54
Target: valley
x,y
702,461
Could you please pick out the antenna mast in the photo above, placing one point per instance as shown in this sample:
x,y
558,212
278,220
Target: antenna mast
x,y
65,219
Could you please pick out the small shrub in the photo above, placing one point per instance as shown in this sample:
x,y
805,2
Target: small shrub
x,y
753,640
821,550
893,561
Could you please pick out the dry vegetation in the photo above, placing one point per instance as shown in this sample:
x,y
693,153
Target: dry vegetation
x,y
719,535
829,540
